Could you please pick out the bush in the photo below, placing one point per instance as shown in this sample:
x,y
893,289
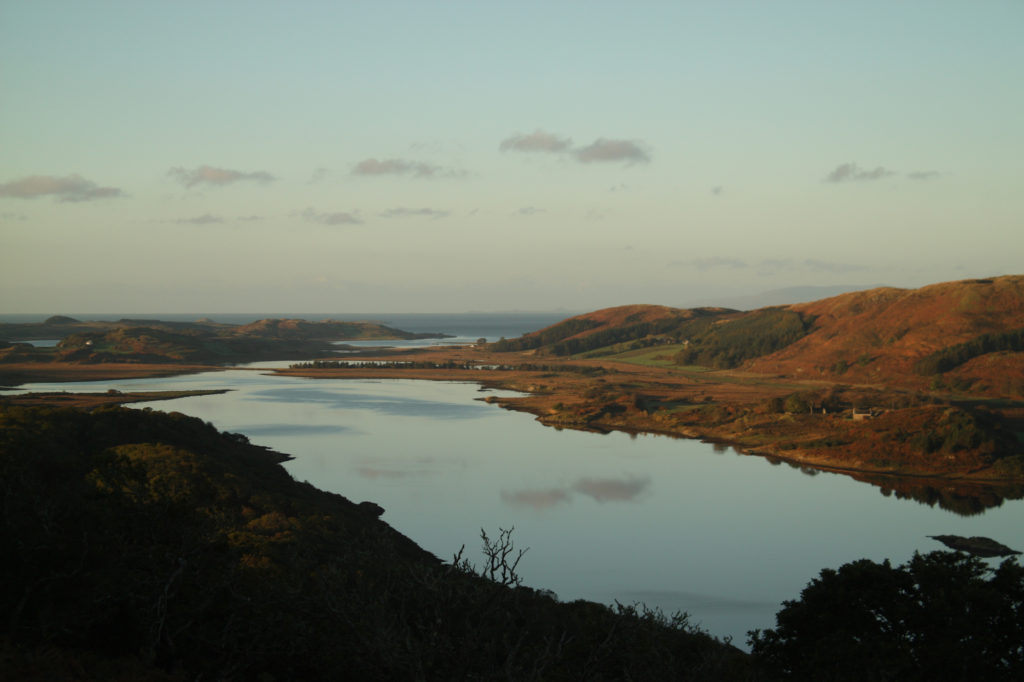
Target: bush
x,y
941,616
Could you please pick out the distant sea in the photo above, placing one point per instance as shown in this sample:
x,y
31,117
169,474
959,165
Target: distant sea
x,y
491,326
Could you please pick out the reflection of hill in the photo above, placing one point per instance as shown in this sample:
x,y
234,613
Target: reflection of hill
x,y
960,497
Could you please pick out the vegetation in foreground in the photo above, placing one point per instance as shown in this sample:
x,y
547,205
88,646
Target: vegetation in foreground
x,y
144,545
940,616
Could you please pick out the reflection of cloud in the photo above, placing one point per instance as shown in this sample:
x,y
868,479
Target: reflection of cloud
x,y
851,172
209,175
537,141
68,188
535,499
706,603
610,489
374,472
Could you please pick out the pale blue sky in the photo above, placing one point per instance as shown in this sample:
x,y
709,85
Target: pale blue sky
x,y
451,156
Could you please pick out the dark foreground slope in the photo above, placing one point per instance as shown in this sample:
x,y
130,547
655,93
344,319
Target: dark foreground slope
x,y
144,545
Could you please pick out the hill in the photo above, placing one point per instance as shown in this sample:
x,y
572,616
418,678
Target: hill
x,y
203,341
971,332
888,336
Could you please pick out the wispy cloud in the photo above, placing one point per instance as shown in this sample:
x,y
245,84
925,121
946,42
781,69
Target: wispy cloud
x,y
717,190
416,169
67,188
537,141
319,175
807,264
529,210
249,218
414,212
767,265
851,172
205,219
601,150
216,177
13,216
336,218
924,175
605,151
711,263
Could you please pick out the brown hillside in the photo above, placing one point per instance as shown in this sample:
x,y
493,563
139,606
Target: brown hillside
x,y
878,335
626,315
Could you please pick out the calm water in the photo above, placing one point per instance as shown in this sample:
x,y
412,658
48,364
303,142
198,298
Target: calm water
x,y
676,524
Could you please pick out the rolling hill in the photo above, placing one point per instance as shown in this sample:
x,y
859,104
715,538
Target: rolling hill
x,y
965,334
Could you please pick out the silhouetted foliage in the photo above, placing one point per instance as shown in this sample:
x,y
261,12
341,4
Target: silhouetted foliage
x,y
941,616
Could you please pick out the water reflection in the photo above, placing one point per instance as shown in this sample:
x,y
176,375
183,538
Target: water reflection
x,y
259,430
611,490
387,404
964,498
701,602
600,490
538,500
378,472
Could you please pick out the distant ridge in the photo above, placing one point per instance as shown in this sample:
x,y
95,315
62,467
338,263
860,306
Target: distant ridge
x,y
786,296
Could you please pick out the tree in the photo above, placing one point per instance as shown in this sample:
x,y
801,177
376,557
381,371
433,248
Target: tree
x,y
942,615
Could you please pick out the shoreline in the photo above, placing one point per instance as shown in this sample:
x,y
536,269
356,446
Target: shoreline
x,y
566,399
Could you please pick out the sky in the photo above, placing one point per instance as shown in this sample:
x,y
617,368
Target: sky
x,y
457,156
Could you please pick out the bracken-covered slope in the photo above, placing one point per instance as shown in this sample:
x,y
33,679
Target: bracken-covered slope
x,y
888,335
957,335
610,327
